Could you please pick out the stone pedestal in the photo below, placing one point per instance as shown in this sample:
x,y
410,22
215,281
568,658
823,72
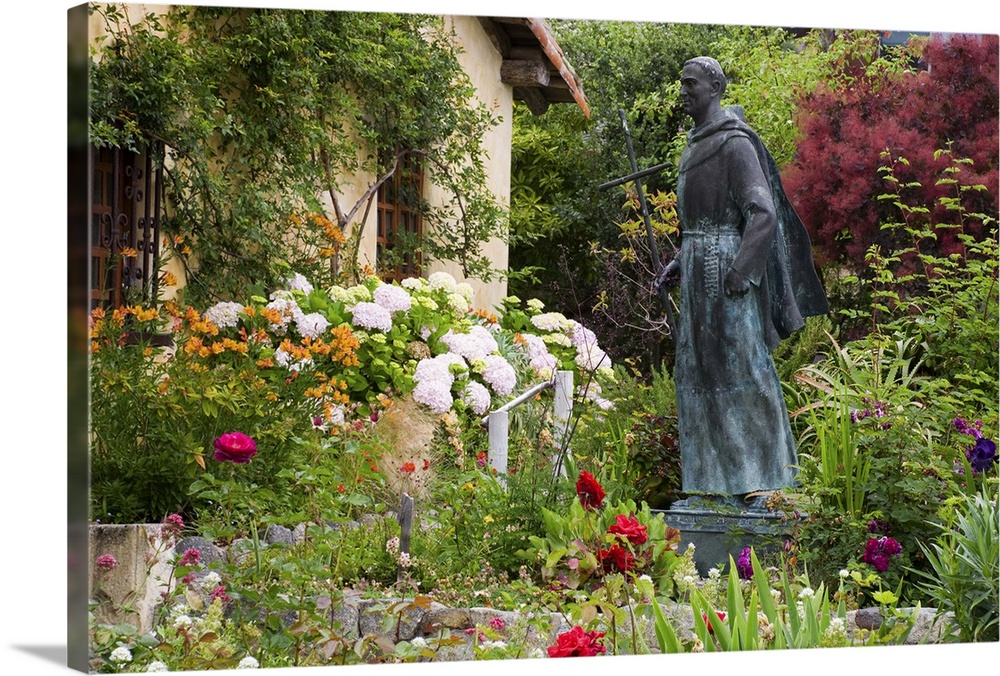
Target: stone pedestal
x,y
720,527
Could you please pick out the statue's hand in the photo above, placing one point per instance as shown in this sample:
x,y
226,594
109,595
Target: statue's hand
x,y
669,275
736,284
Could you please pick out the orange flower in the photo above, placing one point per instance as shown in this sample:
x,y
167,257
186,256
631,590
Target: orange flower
x,y
341,489
129,252
168,279
408,468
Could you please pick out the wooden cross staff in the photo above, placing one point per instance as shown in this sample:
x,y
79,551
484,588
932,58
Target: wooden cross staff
x,y
635,178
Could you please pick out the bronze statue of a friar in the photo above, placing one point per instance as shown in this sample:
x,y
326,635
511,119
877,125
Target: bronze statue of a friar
x,y
746,281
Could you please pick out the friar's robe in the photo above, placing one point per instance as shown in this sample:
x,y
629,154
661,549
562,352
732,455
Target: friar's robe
x,y
735,436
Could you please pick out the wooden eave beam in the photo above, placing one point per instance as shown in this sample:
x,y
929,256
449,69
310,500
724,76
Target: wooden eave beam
x,y
533,98
524,73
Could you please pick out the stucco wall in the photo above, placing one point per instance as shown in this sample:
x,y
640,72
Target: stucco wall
x,y
482,63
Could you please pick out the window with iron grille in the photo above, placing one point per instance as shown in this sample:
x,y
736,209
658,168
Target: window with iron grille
x,y
399,222
126,198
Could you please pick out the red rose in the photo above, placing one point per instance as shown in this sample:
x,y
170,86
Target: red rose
x,y
577,643
722,617
235,447
630,528
616,558
589,491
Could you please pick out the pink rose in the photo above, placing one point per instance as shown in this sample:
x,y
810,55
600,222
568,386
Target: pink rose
x,y
235,447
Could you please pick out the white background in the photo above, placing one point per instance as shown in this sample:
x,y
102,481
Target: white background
x,y
33,375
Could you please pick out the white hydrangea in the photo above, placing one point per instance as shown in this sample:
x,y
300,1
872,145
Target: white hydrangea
x,y
311,325
465,290
550,321
248,662
225,315
156,666
434,379
298,282
475,344
477,397
288,309
413,283
539,356
442,281
284,358
418,642
392,298
121,654
499,374
434,396
182,621
559,339
535,305
458,303
372,316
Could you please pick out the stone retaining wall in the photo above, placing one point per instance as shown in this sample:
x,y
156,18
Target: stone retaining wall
x,y
140,549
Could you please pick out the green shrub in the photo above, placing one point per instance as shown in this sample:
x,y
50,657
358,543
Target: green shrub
x,y
964,562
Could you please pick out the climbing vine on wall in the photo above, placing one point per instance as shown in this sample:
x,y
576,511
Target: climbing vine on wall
x,y
275,121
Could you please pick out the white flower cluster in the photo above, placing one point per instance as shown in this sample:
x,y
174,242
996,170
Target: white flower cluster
x,y
156,666
478,343
298,282
289,310
551,321
392,298
121,654
442,281
311,325
372,316
351,295
499,374
225,315
284,358
477,397
589,356
434,378
539,357
211,580
248,662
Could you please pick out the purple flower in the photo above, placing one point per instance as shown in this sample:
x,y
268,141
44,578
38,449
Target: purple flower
x,y
879,551
982,455
890,547
744,566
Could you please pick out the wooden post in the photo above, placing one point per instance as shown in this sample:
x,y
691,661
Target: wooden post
x,y
562,413
499,422
405,519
